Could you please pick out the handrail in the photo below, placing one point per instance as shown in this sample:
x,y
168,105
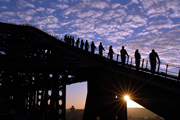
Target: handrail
x,y
163,69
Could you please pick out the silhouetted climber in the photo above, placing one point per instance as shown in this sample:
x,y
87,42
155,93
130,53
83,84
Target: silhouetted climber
x,y
82,44
68,40
77,42
72,40
101,48
65,38
111,52
152,56
93,47
137,59
86,46
123,53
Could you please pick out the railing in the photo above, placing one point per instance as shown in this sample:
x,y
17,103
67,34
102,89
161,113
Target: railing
x,y
162,69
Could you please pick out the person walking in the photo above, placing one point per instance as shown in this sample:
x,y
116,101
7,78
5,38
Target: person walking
x,y
77,42
82,44
152,57
111,52
86,46
93,47
123,53
101,48
137,59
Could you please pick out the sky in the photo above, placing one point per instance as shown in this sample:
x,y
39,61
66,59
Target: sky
x,y
135,24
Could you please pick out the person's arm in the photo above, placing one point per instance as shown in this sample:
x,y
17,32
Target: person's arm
x,y
158,58
127,53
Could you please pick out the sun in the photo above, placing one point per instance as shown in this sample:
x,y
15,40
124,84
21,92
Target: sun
x,y
131,103
126,97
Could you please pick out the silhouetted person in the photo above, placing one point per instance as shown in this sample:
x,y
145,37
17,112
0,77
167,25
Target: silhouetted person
x,y
101,48
65,38
86,46
69,40
82,44
137,59
72,41
77,42
123,53
152,57
111,52
93,47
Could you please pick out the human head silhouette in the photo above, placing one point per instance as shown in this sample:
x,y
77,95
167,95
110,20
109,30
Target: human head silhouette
x,y
137,50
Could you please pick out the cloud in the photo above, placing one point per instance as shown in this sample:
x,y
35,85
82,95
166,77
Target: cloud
x,y
27,15
121,11
174,5
108,15
157,10
65,23
4,0
166,45
4,7
40,9
147,3
115,5
53,26
90,13
135,1
7,14
24,4
99,5
50,10
66,1
71,10
53,19
62,6
138,19
161,24
147,33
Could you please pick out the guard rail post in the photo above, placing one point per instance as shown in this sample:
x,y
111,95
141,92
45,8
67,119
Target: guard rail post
x,y
166,70
158,69
179,75
142,63
127,60
117,57
146,64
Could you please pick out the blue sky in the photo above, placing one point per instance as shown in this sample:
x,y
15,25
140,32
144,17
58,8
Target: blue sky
x,y
136,24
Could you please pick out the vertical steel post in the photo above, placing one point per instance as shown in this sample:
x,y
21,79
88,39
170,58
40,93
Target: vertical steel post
x,y
117,57
127,60
146,64
142,63
166,70
179,75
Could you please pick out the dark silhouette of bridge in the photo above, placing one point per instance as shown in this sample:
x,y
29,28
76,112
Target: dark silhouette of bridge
x,y
35,68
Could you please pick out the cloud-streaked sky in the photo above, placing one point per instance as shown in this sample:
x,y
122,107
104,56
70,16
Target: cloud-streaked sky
x,y
136,24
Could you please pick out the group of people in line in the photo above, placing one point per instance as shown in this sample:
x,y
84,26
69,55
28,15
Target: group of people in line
x,y
152,56
70,40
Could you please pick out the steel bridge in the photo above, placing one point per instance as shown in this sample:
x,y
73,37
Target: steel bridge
x,y
35,68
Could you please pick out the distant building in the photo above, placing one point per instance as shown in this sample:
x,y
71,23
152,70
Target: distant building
x,y
72,109
74,114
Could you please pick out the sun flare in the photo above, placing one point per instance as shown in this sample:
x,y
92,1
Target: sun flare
x,y
126,97
131,103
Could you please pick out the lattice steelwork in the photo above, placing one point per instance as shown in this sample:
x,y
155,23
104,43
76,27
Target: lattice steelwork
x,y
38,96
32,82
